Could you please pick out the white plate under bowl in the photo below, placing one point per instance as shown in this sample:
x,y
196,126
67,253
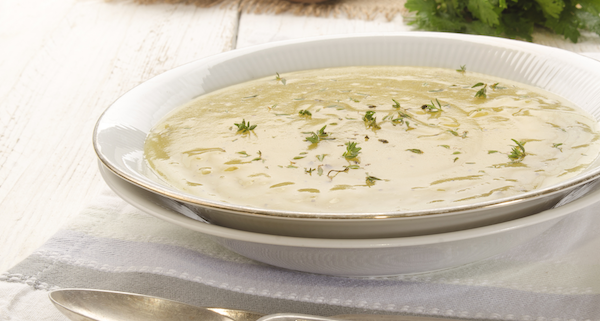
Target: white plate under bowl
x,y
357,257
121,131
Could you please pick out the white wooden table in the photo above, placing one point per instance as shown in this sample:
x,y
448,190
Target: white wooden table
x,y
64,61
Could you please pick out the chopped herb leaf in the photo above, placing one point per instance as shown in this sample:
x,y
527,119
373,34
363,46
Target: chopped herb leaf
x,y
481,93
305,113
518,152
432,107
370,121
314,138
318,136
370,180
352,150
278,78
414,150
244,127
557,146
259,157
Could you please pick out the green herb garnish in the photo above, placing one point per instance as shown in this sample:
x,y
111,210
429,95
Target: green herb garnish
x,y
557,146
432,107
318,136
370,180
244,127
259,157
278,78
313,138
481,93
518,152
514,19
352,150
414,150
462,69
396,104
370,120
305,113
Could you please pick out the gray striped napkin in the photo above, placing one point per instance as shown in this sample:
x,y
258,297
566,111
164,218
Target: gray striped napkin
x,y
111,245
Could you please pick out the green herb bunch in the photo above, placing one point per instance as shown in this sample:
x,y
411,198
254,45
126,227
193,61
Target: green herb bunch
x,y
514,19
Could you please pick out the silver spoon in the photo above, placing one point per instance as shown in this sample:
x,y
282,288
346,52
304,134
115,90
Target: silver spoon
x,y
100,305
97,305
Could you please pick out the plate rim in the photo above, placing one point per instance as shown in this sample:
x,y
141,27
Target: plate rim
x,y
255,211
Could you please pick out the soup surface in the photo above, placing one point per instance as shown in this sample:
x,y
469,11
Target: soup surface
x,y
371,139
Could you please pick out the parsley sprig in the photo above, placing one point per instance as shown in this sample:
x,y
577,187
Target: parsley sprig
x,y
514,19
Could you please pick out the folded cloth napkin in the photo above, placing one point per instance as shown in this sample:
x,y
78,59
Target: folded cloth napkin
x,y
112,245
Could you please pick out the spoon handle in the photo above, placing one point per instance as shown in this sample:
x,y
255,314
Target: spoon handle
x,y
348,317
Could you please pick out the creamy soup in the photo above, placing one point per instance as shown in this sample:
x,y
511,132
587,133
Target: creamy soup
x,y
371,139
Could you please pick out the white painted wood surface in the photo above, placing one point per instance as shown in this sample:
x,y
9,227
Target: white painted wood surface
x,y
64,61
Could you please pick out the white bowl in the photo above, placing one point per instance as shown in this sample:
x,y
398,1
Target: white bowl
x,y
357,257
120,132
